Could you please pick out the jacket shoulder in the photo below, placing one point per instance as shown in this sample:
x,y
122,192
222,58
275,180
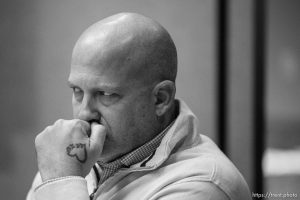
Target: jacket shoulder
x,y
205,162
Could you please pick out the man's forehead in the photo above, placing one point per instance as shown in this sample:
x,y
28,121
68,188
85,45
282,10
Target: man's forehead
x,y
101,57
89,80
112,69
118,64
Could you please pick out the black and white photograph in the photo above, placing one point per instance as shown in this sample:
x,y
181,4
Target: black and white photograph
x,y
150,100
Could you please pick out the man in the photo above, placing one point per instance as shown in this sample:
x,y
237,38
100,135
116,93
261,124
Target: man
x,y
129,139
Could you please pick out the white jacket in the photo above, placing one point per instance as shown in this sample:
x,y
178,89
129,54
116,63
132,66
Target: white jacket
x,y
186,166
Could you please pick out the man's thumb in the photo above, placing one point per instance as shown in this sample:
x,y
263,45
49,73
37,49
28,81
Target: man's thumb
x,y
97,138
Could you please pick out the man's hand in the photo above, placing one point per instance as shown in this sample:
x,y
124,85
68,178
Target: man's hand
x,y
65,148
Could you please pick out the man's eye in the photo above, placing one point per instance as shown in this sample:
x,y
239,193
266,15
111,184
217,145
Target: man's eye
x,y
108,98
78,93
76,90
107,93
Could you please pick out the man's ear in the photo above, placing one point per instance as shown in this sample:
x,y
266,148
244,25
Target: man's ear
x,y
164,93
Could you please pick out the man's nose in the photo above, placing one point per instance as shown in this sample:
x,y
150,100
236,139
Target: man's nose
x,y
88,111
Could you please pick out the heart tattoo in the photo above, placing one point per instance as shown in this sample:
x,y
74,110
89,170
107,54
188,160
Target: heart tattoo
x,y
78,151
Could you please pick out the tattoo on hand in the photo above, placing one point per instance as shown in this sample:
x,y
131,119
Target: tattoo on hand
x,y
78,151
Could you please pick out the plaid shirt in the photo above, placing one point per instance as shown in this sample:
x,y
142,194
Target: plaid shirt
x,y
137,155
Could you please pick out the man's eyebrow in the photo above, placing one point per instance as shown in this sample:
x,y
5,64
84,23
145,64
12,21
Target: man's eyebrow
x,y
70,84
108,87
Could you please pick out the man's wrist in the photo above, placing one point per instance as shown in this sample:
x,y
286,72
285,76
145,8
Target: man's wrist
x,y
59,179
58,174
74,187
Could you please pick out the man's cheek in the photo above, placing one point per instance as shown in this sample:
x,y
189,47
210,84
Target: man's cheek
x,y
75,114
75,110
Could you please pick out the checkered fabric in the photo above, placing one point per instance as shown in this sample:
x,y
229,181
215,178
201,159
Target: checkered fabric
x,y
137,155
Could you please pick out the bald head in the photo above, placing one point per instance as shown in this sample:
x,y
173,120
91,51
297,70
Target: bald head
x,y
123,75
130,44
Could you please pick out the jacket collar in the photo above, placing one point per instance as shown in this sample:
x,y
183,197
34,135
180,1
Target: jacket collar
x,y
182,134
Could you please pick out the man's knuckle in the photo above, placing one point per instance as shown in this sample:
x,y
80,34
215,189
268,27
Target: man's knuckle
x,y
77,123
47,129
59,121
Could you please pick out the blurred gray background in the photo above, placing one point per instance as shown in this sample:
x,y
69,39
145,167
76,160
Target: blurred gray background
x,y
36,41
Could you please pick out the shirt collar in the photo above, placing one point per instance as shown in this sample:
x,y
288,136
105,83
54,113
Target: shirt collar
x,y
133,157
138,154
